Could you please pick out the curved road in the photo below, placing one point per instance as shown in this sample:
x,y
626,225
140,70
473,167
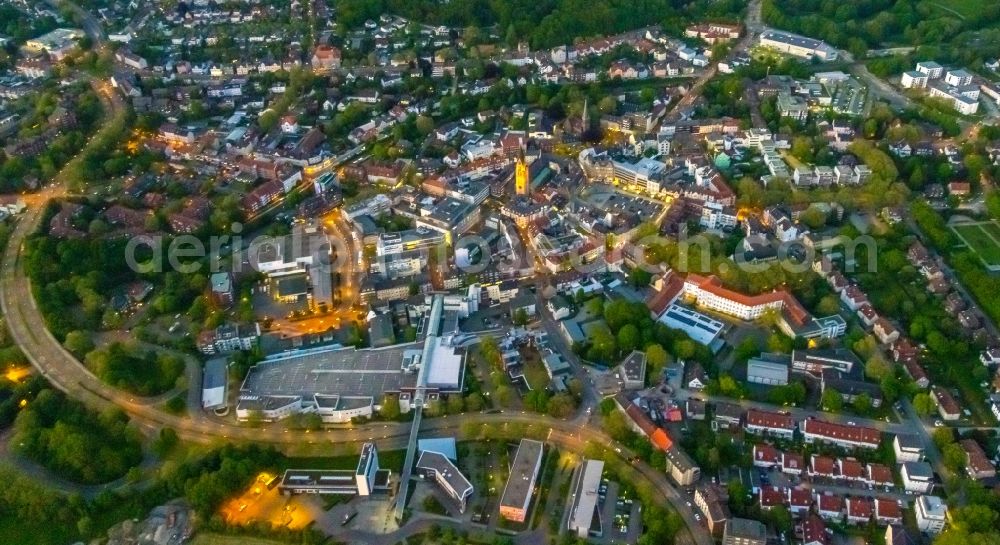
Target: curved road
x,y
69,375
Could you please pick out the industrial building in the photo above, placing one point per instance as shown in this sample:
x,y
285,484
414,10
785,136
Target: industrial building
x,y
214,384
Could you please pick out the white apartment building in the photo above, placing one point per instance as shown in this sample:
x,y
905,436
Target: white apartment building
x,y
907,448
931,513
914,79
958,78
931,68
917,476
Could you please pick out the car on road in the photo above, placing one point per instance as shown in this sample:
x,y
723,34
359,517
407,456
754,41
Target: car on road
x,y
938,423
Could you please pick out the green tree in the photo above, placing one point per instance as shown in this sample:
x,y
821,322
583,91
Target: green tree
x,y
390,409
656,360
953,457
878,367
79,343
455,404
560,406
628,338
474,403
831,400
520,317
923,404
862,403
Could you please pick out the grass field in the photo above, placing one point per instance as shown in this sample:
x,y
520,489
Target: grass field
x,y
218,539
992,229
982,238
389,459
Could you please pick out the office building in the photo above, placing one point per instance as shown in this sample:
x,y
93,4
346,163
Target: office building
x,y
584,492
521,482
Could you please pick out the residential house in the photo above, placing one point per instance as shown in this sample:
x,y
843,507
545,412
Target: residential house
x,y
948,408
859,510
770,424
917,476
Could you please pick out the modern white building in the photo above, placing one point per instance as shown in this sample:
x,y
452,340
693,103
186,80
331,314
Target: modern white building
x,y
958,78
917,476
798,46
931,513
364,474
584,497
908,448
913,79
700,328
931,68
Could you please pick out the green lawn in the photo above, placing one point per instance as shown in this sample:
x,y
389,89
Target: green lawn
x,y
992,228
387,459
980,242
218,539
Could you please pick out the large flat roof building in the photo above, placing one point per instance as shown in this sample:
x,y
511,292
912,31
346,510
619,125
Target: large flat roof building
x,y
584,499
769,368
343,383
798,46
366,479
215,379
521,482
699,327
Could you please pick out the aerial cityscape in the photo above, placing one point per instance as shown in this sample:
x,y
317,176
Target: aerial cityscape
x,y
557,272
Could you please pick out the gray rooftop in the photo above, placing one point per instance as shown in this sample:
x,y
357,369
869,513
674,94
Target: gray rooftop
x,y
745,528
333,371
919,470
521,481
585,494
214,375
441,465
633,367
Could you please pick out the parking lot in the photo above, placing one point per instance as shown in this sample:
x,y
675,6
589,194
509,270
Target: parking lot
x,y
621,515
